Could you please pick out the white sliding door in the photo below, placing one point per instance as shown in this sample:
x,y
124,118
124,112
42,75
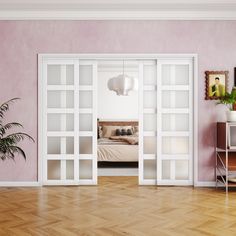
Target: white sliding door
x,y
175,122
69,122
166,122
87,122
148,122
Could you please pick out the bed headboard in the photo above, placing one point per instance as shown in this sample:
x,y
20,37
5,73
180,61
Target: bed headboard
x,y
117,123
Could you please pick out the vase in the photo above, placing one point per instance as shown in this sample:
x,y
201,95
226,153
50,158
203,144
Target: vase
x,y
231,116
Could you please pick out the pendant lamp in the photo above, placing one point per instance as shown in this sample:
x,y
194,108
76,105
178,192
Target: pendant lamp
x,y
122,84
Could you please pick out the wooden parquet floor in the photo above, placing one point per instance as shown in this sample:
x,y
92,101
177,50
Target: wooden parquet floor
x,y
117,206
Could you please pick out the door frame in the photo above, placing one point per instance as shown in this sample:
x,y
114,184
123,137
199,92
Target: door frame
x,y
113,56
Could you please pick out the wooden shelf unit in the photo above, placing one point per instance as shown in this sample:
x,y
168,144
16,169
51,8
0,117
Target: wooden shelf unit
x,y
225,154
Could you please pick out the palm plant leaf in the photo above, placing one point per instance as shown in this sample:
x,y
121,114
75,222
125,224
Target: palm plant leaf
x,y
17,137
8,143
5,106
4,128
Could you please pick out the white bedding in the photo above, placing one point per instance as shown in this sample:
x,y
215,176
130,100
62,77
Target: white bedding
x,y
116,151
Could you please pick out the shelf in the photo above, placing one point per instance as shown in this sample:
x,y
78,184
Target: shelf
x,y
224,150
230,184
231,160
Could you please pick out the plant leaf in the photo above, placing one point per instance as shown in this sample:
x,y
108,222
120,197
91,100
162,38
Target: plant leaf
x,y
4,128
5,106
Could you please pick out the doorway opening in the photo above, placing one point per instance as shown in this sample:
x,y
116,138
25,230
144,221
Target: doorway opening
x,y
118,118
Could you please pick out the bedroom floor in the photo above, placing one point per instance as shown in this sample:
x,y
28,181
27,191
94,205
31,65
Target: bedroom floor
x,y
118,206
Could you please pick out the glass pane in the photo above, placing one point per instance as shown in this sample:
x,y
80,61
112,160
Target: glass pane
x,y
149,122
69,169
54,169
54,145
85,145
149,99
175,145
182,74
85,99
175,74
70,145
85,169
166,169
54,74
85,74
181,170
60,99
149,145
166,74
70,74
175,99
175,122
149,75
85,122
60,122
149,169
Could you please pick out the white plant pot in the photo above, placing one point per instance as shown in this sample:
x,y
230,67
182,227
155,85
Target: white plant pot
x,y
231,116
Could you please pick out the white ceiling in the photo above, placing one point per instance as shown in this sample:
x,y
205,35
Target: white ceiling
x,y
118,9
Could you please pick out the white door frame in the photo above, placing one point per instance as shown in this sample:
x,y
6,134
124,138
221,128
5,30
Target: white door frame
x,y
42,57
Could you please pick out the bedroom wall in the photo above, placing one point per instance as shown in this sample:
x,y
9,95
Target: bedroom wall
x,y
111,106
21,41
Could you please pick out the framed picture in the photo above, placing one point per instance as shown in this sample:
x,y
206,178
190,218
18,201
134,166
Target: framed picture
x,y
216,84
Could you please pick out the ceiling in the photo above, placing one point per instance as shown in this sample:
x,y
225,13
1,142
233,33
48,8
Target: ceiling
x,y
118,9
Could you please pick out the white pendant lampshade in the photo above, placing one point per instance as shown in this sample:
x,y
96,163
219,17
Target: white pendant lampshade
x,y
122,84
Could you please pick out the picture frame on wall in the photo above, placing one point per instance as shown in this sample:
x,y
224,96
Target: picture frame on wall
x,y
216,84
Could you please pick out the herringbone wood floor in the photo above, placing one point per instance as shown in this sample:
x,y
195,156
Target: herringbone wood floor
x,y
117,206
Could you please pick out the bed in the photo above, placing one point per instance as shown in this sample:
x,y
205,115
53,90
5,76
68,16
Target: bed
x,y
122,149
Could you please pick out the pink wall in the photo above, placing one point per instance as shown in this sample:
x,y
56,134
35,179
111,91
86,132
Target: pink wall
x,y
21,41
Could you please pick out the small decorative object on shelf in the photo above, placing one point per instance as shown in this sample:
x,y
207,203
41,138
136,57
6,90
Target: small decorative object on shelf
x,y
229,100
226,155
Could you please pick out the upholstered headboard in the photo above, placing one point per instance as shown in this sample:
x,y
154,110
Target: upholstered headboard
x,y
117,123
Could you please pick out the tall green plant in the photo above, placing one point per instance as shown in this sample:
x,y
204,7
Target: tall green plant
x,y
9,142
229,100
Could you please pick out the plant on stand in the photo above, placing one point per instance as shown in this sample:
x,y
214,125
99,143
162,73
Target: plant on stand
x,y
229,100
9,142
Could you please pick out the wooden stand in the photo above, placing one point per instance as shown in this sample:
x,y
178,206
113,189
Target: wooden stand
x,y
226,154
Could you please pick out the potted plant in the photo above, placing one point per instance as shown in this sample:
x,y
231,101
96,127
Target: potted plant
x,y
230,101
9,142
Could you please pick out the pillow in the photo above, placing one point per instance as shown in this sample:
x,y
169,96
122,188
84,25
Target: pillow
x,y
129,132
135,129
118,132
108,131
123,132
99,131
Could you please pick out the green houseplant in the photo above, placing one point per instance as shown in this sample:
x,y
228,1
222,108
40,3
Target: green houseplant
x,y
229,100
9,142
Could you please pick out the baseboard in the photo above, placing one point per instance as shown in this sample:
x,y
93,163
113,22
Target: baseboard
x,y
117,171
19,184
205,184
